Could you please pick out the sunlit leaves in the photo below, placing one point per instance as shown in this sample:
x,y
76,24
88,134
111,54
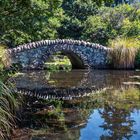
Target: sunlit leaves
x,y
26,21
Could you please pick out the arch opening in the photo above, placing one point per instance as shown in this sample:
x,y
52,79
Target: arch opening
x,y
64,60
75,60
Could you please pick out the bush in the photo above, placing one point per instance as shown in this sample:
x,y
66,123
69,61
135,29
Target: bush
x,y
124,52
29,20
111,22
95,30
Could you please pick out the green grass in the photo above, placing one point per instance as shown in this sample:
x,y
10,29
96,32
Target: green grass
x,y
58,64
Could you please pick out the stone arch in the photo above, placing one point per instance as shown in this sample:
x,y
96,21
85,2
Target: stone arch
x,y
77,60
81,54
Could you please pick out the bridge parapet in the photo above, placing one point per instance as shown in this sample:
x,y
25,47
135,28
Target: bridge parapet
x,y
41,43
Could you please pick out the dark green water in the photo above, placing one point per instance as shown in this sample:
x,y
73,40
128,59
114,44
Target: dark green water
x,y
111,111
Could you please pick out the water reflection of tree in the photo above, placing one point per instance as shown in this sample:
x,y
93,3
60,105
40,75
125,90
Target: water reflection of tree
x,y
117,122
64,116
116,111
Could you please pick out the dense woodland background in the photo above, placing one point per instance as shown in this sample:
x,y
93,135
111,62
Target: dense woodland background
x,y
96,21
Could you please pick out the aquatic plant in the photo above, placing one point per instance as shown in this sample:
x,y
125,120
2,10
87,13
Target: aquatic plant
x,y
124,52
8,104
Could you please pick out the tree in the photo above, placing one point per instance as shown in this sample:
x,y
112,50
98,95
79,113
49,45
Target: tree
x,y
112,22
29,20
114,120
77,12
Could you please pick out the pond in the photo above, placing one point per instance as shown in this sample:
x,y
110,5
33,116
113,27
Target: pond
x,y
78,105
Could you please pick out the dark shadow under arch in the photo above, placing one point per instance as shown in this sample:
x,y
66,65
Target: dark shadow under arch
x,y
75,60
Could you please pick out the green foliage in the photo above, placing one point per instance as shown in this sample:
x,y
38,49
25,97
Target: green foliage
x,y
71,28
111,22
95,30
29,20
77,11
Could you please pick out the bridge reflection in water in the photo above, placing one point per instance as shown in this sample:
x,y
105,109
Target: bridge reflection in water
x,y
68,85
112,114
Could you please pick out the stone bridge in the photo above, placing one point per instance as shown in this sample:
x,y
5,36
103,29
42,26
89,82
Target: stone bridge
x,y
81,54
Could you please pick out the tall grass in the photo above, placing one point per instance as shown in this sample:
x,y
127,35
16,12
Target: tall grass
x,y
5,60
124,52
137,62
8,104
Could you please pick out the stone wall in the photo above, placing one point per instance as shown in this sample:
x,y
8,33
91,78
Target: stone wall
x,y
81,54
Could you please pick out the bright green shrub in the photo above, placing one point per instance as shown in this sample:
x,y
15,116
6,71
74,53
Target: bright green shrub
x,y
135,29
95,30
112,22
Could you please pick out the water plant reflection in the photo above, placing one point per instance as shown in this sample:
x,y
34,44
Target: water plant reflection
x,y
117,114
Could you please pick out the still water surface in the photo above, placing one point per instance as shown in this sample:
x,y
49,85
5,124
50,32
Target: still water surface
x,y
110,112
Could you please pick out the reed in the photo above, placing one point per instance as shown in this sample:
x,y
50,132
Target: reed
x,y
8,104
5,60
124,52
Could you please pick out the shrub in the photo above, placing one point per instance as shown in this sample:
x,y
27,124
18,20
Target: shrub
x,y
111,22
29,20
130,29
124,52
95,30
